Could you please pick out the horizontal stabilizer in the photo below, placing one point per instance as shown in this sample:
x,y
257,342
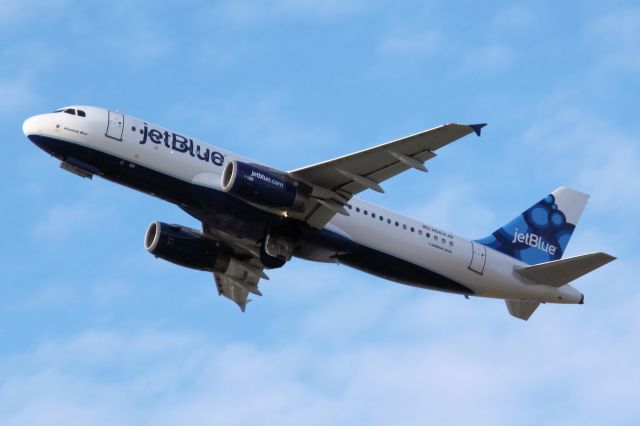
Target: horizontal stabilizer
x,y
522,309
560,272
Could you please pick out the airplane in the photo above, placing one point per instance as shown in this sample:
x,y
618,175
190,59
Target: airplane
x,y
256,218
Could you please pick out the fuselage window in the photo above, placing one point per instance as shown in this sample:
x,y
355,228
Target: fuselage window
x,y
443,241
435,237
381,218
412,229
81,113
358,209
366,212
419,231
373,215
349,206
388,220
70,111
397,224
404,226
428,235
450,243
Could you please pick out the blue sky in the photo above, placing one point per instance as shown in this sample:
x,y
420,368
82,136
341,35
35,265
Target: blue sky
x,y
94,330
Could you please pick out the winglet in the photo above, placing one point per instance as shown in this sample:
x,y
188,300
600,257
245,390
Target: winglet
x,y
477,127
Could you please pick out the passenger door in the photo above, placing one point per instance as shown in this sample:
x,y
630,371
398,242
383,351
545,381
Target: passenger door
x,y
115,125
478,257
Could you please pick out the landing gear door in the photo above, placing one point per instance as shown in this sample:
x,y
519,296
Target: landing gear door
x,y
478,257
115,125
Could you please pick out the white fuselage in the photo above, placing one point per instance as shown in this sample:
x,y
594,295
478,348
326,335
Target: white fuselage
x,y
137,143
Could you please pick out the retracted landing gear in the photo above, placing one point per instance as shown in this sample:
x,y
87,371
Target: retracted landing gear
x,y
276,251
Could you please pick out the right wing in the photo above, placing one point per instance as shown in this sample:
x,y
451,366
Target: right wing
x,y
334,182
337,180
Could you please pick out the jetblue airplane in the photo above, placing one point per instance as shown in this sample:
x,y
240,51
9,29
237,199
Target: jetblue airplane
x,y
255,217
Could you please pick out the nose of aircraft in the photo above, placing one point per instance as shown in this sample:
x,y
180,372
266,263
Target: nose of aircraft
x,y
30,125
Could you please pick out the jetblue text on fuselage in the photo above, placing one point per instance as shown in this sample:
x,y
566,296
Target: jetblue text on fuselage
x,y
533,240
179,143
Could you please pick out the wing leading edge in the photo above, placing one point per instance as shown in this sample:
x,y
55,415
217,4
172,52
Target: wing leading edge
x,y
337,180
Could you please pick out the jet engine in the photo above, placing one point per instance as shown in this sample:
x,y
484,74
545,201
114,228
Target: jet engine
x,y
264,187
189,248
182,246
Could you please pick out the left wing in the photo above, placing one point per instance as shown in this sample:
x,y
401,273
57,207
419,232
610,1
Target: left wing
x,y
336,181
236,290
242,275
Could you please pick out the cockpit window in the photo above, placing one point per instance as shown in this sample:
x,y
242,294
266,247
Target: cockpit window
x,y
72,111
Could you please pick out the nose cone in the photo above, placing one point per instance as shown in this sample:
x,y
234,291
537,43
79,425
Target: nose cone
x,y
30,126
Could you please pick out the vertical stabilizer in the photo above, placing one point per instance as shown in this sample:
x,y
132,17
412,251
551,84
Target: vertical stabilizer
x,y
541,233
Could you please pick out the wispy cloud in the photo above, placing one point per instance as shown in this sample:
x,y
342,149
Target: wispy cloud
x,y
110,375
617,32
516,17
13,14
416,44
491,57
20,66
65,219
605,160
451,207
17,95
252,11
260,125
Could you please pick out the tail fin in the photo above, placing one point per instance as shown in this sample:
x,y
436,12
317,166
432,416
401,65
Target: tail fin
x,y
522,309
542,232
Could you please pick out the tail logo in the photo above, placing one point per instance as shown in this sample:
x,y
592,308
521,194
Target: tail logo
x,y
533,240
539,234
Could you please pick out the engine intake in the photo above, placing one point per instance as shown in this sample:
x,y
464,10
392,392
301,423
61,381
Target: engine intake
x,y
183,246
263,187
189,248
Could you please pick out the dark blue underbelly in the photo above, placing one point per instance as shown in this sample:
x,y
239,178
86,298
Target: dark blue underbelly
x,y
233,216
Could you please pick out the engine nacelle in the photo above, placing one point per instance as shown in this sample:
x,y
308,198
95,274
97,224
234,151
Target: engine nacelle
x,y
183,246
189,248
263,187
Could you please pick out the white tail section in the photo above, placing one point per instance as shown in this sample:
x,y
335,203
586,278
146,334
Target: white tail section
x,y
570,202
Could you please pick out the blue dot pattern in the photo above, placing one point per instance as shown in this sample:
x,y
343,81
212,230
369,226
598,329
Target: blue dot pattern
x,y
540,234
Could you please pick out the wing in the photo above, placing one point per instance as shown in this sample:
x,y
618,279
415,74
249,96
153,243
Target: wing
x,y
336,181
244,271
236,290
